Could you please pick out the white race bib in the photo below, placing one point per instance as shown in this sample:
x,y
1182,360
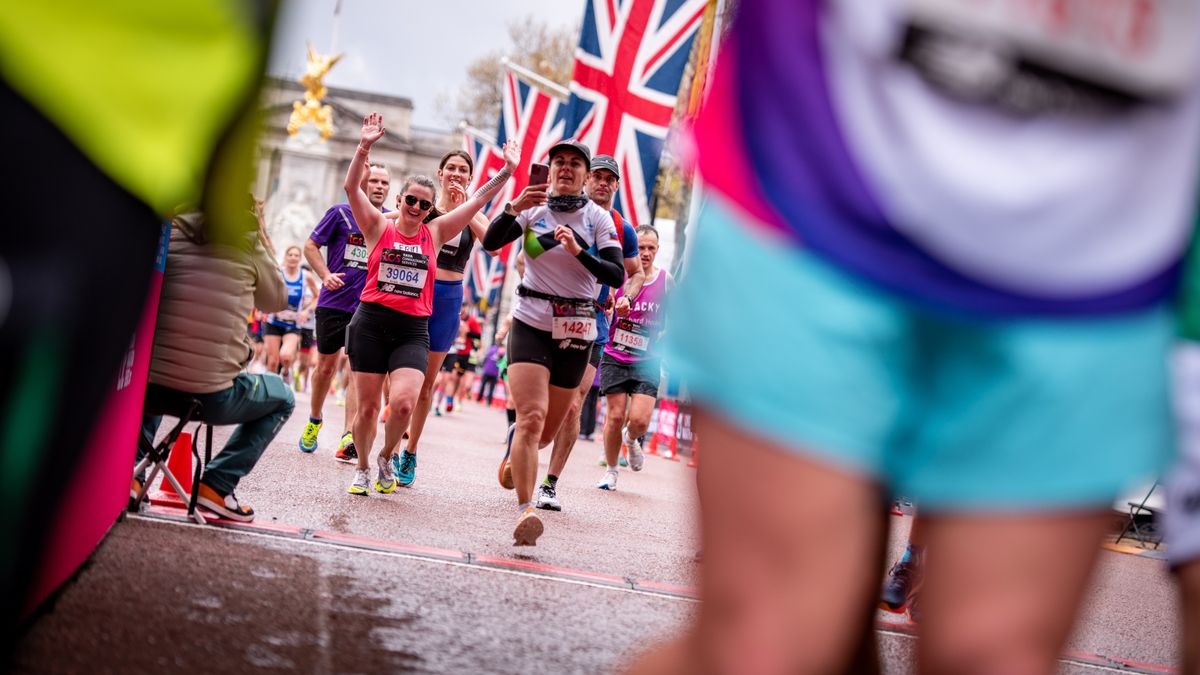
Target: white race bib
x,y
574,321
402,272
356,254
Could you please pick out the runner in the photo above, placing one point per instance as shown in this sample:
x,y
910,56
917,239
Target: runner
x,y
282,331
629,371
343,272
979,231
459,375
455,172
308,329
602,183
388,336
570,244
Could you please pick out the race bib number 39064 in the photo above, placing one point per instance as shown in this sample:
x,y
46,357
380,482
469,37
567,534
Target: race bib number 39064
x,y
402,272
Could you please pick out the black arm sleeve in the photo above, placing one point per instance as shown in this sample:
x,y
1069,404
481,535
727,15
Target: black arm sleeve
x,y
608,269
503,229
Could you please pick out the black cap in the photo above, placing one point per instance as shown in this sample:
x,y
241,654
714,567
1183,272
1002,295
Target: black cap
x,y
606,162
574,145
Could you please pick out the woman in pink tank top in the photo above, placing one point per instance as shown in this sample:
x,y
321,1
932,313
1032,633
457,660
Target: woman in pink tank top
x,y
388,338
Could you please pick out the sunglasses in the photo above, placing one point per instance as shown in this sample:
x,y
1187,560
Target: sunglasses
x,y
411,200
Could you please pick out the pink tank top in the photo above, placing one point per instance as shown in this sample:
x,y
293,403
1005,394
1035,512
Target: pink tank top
x,y
630,337
401,270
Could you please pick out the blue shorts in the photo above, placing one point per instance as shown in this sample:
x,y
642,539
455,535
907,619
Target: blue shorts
x,y
447,305
957,413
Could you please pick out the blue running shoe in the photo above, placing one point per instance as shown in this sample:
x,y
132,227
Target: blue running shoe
x,y
405,466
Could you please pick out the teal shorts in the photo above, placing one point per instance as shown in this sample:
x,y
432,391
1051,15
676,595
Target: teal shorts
x,y
956,413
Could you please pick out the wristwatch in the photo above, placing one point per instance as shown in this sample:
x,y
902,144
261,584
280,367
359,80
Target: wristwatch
x,y
508,208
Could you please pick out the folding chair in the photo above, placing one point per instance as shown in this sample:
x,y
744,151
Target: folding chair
x,y
162,401
1136,510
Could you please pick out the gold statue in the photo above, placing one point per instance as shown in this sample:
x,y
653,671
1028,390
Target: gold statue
x,y
311,109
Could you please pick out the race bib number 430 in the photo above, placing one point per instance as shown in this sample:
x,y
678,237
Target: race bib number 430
x,y
574,320
355,257
402,272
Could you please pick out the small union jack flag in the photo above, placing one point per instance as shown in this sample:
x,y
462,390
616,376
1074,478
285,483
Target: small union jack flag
x,y
630,59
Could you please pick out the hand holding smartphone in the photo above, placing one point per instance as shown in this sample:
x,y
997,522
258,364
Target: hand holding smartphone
x,y
539,174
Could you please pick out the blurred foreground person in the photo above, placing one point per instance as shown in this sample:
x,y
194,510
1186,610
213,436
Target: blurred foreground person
x,y
125,109
201,349
979,215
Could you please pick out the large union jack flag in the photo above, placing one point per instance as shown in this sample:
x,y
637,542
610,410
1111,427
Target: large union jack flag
x,y
536,120
630,59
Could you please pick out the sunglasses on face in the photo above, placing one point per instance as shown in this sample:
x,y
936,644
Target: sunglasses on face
x,y
411,200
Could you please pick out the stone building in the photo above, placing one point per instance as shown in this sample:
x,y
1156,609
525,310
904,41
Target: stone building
x,y
301,176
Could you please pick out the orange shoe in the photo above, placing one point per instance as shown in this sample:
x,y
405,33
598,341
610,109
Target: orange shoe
x,y
505,472
529,528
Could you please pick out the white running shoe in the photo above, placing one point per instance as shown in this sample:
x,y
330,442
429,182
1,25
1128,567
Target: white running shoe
x,y
636,459
609,482
547,498
385,482
361,484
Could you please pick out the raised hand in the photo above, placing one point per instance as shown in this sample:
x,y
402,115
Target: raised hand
x,y
512,154
455,192
372,129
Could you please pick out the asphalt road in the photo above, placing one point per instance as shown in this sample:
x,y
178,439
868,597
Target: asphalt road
x,y
426,579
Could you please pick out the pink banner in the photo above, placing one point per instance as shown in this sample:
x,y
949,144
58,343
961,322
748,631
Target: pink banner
x,y
100,490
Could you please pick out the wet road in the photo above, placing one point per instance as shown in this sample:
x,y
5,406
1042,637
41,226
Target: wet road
x,y
426,579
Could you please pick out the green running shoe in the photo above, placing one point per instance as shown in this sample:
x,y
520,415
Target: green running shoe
x,y
308,439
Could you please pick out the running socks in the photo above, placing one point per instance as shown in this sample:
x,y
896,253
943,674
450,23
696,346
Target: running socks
x,y
511,414
550,481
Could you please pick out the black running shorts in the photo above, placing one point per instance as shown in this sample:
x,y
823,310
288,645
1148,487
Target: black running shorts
x,y
566,359
331,329
621,378
380,340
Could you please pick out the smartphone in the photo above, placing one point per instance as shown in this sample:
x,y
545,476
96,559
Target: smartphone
x,y
539,174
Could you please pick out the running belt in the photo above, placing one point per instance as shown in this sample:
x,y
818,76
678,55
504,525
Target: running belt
x,y
819,130
538,295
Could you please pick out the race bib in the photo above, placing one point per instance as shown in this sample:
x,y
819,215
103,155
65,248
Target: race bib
x,y
631,338
574,320
356,254
402,272
1056,54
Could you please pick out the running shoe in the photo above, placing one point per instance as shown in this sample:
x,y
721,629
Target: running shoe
x,y
385,480
225,507
437,411
547,498
505,473
636,459
361,484
609,482
308,439
900,589
296,381
405,466
622,460
529,528
603,460
346,451
135,489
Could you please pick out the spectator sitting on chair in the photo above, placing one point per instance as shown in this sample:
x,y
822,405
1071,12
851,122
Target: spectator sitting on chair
x,y
201,347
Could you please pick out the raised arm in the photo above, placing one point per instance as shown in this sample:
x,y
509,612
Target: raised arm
x,y
451,224
479,225
370,219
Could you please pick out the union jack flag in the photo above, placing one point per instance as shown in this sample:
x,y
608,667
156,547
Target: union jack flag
x,y
536,120
630,59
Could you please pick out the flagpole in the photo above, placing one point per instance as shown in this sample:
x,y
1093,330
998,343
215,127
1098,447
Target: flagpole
x,y
551,87
481,135
337,19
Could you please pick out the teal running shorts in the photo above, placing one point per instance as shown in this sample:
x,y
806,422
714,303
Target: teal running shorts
x,y
957,413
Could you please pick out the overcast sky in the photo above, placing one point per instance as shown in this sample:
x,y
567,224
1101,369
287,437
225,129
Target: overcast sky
x,y
412,48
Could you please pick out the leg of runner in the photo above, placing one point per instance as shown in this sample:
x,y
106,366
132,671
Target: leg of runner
x,y
406,461
614,423
287,354
321,377
273,343
564,442
369,388
641,406
1001,591
405,386
540,410
774,603
1189,587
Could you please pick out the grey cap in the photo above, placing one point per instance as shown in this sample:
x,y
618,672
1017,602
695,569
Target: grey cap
x,y
606,162
574,145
